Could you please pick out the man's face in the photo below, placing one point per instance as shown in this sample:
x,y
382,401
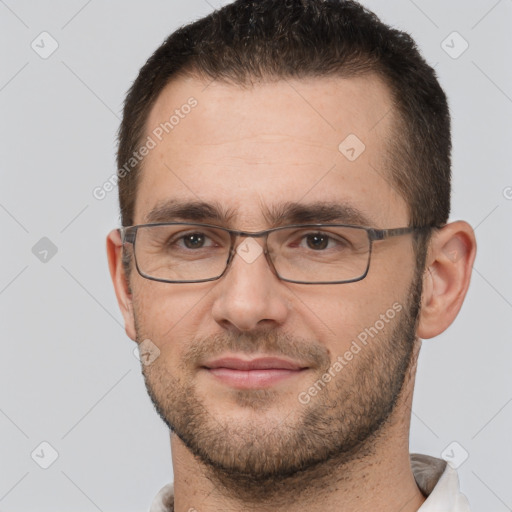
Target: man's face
x,y
247,153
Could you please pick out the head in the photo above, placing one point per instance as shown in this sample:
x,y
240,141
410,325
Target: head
x,y
253,117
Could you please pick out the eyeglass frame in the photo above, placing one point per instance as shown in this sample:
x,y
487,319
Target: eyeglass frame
x,y
128,234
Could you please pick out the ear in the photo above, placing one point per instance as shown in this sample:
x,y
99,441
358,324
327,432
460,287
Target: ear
x,y
448,268
120,281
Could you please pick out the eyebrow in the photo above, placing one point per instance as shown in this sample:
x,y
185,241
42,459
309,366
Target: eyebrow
x,y
317,212
275,215
189,211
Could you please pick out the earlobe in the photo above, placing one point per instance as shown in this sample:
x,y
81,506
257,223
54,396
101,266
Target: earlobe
x,y
120,281
446,278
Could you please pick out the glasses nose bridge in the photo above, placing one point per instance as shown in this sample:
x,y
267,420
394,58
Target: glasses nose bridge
x,y
237,235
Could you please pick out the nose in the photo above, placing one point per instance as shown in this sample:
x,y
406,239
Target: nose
x,y
250,296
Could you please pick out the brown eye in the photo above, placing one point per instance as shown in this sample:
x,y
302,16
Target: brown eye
x,y
194,240
317,242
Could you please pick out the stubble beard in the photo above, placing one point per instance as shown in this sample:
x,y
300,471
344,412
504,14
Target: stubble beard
x,y
260,458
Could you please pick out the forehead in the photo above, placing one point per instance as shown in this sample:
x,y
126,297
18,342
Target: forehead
x,y
252,149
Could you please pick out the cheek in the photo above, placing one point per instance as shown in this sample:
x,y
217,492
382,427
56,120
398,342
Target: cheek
x,y
339,318
339,313
168,314
392,271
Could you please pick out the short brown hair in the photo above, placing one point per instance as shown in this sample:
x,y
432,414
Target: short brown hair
x,y
275,39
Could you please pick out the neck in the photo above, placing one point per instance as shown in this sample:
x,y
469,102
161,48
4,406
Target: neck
x,y
376,476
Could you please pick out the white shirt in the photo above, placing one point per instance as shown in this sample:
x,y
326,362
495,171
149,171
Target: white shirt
x,y
436,479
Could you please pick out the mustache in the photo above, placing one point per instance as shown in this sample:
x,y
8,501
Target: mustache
x,y
271,343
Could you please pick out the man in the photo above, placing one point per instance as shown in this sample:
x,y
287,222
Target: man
x,y
284,180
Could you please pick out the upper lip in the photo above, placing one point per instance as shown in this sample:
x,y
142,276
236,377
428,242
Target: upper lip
x,y
260,363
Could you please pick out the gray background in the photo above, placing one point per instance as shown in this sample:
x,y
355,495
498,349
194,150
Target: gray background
x,y
68,373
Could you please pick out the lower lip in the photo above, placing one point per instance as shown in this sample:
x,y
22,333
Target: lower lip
x,y
252,379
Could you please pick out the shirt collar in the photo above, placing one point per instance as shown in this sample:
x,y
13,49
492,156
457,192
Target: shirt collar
x,y
440,483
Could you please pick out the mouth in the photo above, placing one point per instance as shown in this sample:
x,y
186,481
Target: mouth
x,y
258,373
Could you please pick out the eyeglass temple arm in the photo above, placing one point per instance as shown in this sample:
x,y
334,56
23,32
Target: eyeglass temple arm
x,y
382,234
127,235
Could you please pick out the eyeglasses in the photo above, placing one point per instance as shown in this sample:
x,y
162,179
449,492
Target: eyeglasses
x,y
176,252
